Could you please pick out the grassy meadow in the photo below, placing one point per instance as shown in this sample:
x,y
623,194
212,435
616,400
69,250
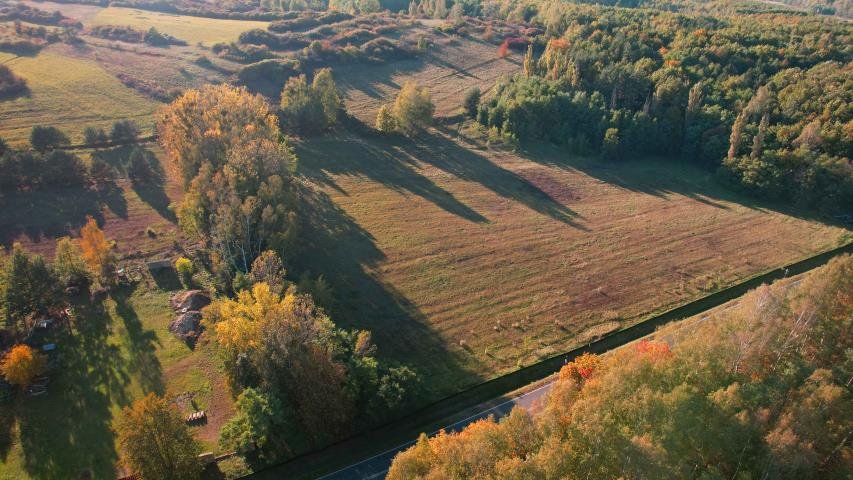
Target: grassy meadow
x,y
190,29
469,262
70,94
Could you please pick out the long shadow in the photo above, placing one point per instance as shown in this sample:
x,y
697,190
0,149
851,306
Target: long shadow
x,y
151,188
66,433
379,159
7,423
344,253
440,151
142,345
47,214
664,177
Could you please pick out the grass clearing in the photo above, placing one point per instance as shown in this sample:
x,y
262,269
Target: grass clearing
x,y
184,27
70,94
469,263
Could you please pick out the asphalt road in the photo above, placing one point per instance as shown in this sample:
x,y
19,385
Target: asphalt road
x,y
377,466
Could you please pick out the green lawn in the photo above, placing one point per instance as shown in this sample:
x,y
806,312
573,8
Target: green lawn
x,y
115,354
70,94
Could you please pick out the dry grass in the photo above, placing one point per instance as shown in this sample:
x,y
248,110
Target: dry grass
x,y
448,69
187,28
433,242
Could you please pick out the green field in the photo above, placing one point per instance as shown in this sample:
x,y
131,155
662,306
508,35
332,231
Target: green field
x,y
70,94
187,28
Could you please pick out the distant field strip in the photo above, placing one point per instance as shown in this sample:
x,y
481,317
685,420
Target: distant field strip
x,y
448,70
70,94
190,29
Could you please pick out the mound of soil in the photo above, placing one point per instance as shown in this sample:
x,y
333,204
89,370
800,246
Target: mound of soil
x,y
191,300
187,326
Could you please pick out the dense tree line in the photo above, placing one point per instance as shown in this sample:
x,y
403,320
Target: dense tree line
x,y
224,144
758,391
629,83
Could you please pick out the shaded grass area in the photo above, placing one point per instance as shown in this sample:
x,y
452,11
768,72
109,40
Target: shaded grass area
x,y
125,209
116,352
70,94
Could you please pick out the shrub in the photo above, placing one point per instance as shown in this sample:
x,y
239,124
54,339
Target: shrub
x,y
471,102
11,85
22,364
115,32
47,138
610,146
185,268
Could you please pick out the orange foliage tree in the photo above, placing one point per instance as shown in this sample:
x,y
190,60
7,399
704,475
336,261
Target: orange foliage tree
x,y
22,364
96,250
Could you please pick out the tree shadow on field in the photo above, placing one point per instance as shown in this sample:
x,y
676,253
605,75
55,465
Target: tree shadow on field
x,y
49,213
344,253
394,160
377,159
142,344
663,177
150,188
67,432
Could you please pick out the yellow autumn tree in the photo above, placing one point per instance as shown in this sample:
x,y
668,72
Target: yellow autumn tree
x,y
155,442
22,364
202,125
413,108
96,251
224,144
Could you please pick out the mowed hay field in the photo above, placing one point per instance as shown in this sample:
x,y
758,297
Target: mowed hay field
x,y
187,28
469,263
70,94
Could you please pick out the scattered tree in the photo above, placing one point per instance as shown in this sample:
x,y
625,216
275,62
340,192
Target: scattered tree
x,y
97,252
385,122
68,264
43,139
155,442
95,136
413,108
124,131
